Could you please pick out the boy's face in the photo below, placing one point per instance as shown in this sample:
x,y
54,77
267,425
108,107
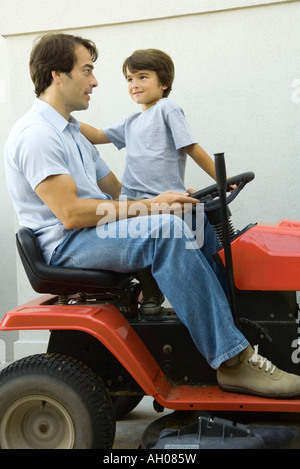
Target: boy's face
x,y
144,87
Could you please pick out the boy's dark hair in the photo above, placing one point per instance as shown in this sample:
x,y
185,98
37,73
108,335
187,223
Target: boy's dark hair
x,y
55,52
155,60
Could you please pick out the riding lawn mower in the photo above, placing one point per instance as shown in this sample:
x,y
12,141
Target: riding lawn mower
x,y
103,356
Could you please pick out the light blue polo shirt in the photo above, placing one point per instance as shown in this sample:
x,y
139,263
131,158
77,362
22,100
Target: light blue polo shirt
x,y
42,143
155,141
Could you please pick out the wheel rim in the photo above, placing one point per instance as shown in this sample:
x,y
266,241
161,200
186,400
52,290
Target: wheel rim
x,y
36,422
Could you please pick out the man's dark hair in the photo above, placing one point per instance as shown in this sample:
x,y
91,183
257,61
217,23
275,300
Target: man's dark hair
x,y
55,52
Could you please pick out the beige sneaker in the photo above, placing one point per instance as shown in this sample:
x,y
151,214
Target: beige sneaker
x,y
256,375
152,305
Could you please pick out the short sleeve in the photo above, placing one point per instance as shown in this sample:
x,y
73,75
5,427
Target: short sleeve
x,y
36,157
181,132
116,134
102,169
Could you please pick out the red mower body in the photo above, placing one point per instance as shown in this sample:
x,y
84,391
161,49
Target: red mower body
x,y
109,327
267,257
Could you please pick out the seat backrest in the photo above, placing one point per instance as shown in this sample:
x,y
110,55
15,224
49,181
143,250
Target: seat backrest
x,y
57,280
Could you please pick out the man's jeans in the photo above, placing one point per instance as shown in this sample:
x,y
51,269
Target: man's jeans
x,y
181,271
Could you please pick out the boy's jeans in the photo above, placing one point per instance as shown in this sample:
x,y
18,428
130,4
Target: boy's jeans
x,y
181,271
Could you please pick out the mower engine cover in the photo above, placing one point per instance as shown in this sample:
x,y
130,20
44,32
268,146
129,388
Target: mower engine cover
x,y
267,257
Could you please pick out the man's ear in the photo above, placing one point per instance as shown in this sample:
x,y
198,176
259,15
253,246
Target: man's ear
x,y
56,76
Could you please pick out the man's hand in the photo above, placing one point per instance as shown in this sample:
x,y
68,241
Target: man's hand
x,y
172,202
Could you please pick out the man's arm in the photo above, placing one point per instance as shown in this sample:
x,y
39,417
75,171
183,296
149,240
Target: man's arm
x,y
60,194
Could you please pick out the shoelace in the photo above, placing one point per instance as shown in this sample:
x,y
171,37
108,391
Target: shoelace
x,y
256,358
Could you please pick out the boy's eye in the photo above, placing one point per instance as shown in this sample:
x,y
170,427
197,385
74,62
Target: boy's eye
x,y
141,77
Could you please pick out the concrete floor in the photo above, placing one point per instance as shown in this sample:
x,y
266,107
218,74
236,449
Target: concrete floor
x,y
129,431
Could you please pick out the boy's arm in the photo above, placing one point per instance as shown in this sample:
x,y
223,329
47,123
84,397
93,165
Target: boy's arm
x,y
202,159
95,136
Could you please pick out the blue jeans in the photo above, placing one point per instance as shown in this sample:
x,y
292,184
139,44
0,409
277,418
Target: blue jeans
x,y
182,272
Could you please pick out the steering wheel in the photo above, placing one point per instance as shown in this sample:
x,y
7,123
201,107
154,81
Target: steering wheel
x,y
209,196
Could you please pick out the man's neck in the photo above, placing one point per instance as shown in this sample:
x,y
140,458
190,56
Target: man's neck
x,y
59,107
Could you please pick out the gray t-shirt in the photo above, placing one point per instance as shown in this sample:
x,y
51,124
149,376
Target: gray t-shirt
x,y
154,140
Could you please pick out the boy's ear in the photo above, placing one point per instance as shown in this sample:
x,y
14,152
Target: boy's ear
x,y
164,87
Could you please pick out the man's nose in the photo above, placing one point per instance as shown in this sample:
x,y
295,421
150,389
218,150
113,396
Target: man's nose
x,y
94,82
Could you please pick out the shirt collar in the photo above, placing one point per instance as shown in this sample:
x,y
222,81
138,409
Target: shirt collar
x,y
56,119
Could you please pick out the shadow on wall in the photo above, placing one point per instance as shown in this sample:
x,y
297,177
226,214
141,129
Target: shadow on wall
x,y
7,342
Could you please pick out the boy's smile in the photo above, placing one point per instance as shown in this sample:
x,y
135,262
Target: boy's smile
x,y
144,87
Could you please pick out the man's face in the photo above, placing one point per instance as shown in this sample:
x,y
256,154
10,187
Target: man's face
x,y
79,83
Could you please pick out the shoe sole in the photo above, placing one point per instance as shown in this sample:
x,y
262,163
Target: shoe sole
x,y
238,390
150,311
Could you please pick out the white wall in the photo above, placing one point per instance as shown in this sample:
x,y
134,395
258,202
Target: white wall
x,y
8,277
237,79
7,271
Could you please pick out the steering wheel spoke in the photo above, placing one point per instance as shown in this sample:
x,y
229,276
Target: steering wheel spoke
x,y
209,196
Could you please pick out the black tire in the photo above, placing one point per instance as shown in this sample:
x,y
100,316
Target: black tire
x,y
125,404
52,401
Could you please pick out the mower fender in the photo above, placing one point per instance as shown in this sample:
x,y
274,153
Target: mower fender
x,y
104,322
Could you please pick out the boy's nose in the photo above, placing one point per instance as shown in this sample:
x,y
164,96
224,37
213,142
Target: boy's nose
x,y
133,83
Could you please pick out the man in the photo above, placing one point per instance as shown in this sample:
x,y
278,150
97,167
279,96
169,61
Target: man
x,y
64,192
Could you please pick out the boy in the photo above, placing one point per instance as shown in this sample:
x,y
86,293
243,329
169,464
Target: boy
x,y
157,141
158,138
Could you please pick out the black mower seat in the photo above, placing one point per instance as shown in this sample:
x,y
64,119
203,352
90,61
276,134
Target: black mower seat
x,y
46,278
